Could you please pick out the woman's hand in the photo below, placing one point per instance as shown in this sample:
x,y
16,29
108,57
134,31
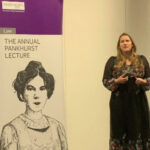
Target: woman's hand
x,y
122,79
140,81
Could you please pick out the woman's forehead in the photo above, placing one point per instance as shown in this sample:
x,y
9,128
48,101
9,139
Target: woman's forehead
x,y
125,37
37,81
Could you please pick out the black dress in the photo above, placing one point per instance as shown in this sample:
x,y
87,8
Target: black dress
x,y
129,111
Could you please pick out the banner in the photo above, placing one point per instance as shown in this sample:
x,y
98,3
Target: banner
x,y
32,115
31,17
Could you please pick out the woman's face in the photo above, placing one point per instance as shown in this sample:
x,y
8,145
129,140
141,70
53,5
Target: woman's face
x,y
35,94
125,44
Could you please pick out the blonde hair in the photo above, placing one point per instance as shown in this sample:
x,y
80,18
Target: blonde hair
x,y
133,57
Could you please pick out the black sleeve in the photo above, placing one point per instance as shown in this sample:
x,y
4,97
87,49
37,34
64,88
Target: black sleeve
x,y
146,65
108,80
147,73
109,68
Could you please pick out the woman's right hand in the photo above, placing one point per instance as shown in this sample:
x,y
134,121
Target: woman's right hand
x,y
121,79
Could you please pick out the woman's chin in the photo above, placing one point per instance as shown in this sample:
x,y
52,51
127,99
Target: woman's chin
x,y
36,108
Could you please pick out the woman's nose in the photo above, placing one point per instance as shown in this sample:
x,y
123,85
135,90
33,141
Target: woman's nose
x,y
36,96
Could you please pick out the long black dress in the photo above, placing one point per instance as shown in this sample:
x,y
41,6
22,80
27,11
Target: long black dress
x,y
129,111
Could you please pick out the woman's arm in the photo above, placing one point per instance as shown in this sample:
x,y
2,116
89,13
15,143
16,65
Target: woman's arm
x,y
108,80
8,139
145,82
62,136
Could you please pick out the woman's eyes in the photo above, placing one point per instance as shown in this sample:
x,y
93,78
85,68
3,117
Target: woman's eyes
x,y
42,88
124,41
30,88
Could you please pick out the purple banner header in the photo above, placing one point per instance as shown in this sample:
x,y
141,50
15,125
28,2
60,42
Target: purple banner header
x,y
37,17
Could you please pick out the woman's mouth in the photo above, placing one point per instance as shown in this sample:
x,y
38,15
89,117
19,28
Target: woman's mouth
x,y
37,103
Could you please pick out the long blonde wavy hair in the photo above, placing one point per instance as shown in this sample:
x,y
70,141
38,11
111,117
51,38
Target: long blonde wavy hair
x,y
134,58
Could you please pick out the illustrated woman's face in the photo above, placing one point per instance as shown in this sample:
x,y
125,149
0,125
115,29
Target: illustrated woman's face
x,y
125,44
35,94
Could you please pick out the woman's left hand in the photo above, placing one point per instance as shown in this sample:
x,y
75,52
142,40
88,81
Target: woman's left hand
x,y
140,81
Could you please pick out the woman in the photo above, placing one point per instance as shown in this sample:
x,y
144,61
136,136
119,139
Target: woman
x,y
128,77
33,130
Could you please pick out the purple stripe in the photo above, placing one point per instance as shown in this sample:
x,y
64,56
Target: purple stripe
x,y
40,17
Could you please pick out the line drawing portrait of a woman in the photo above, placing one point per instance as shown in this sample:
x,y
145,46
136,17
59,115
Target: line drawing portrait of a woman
x,y
33,130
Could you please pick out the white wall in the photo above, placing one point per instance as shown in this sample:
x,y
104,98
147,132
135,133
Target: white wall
x,y
138,23
91,30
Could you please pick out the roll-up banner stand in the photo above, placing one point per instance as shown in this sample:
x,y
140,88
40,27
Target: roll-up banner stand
x,y
32,114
